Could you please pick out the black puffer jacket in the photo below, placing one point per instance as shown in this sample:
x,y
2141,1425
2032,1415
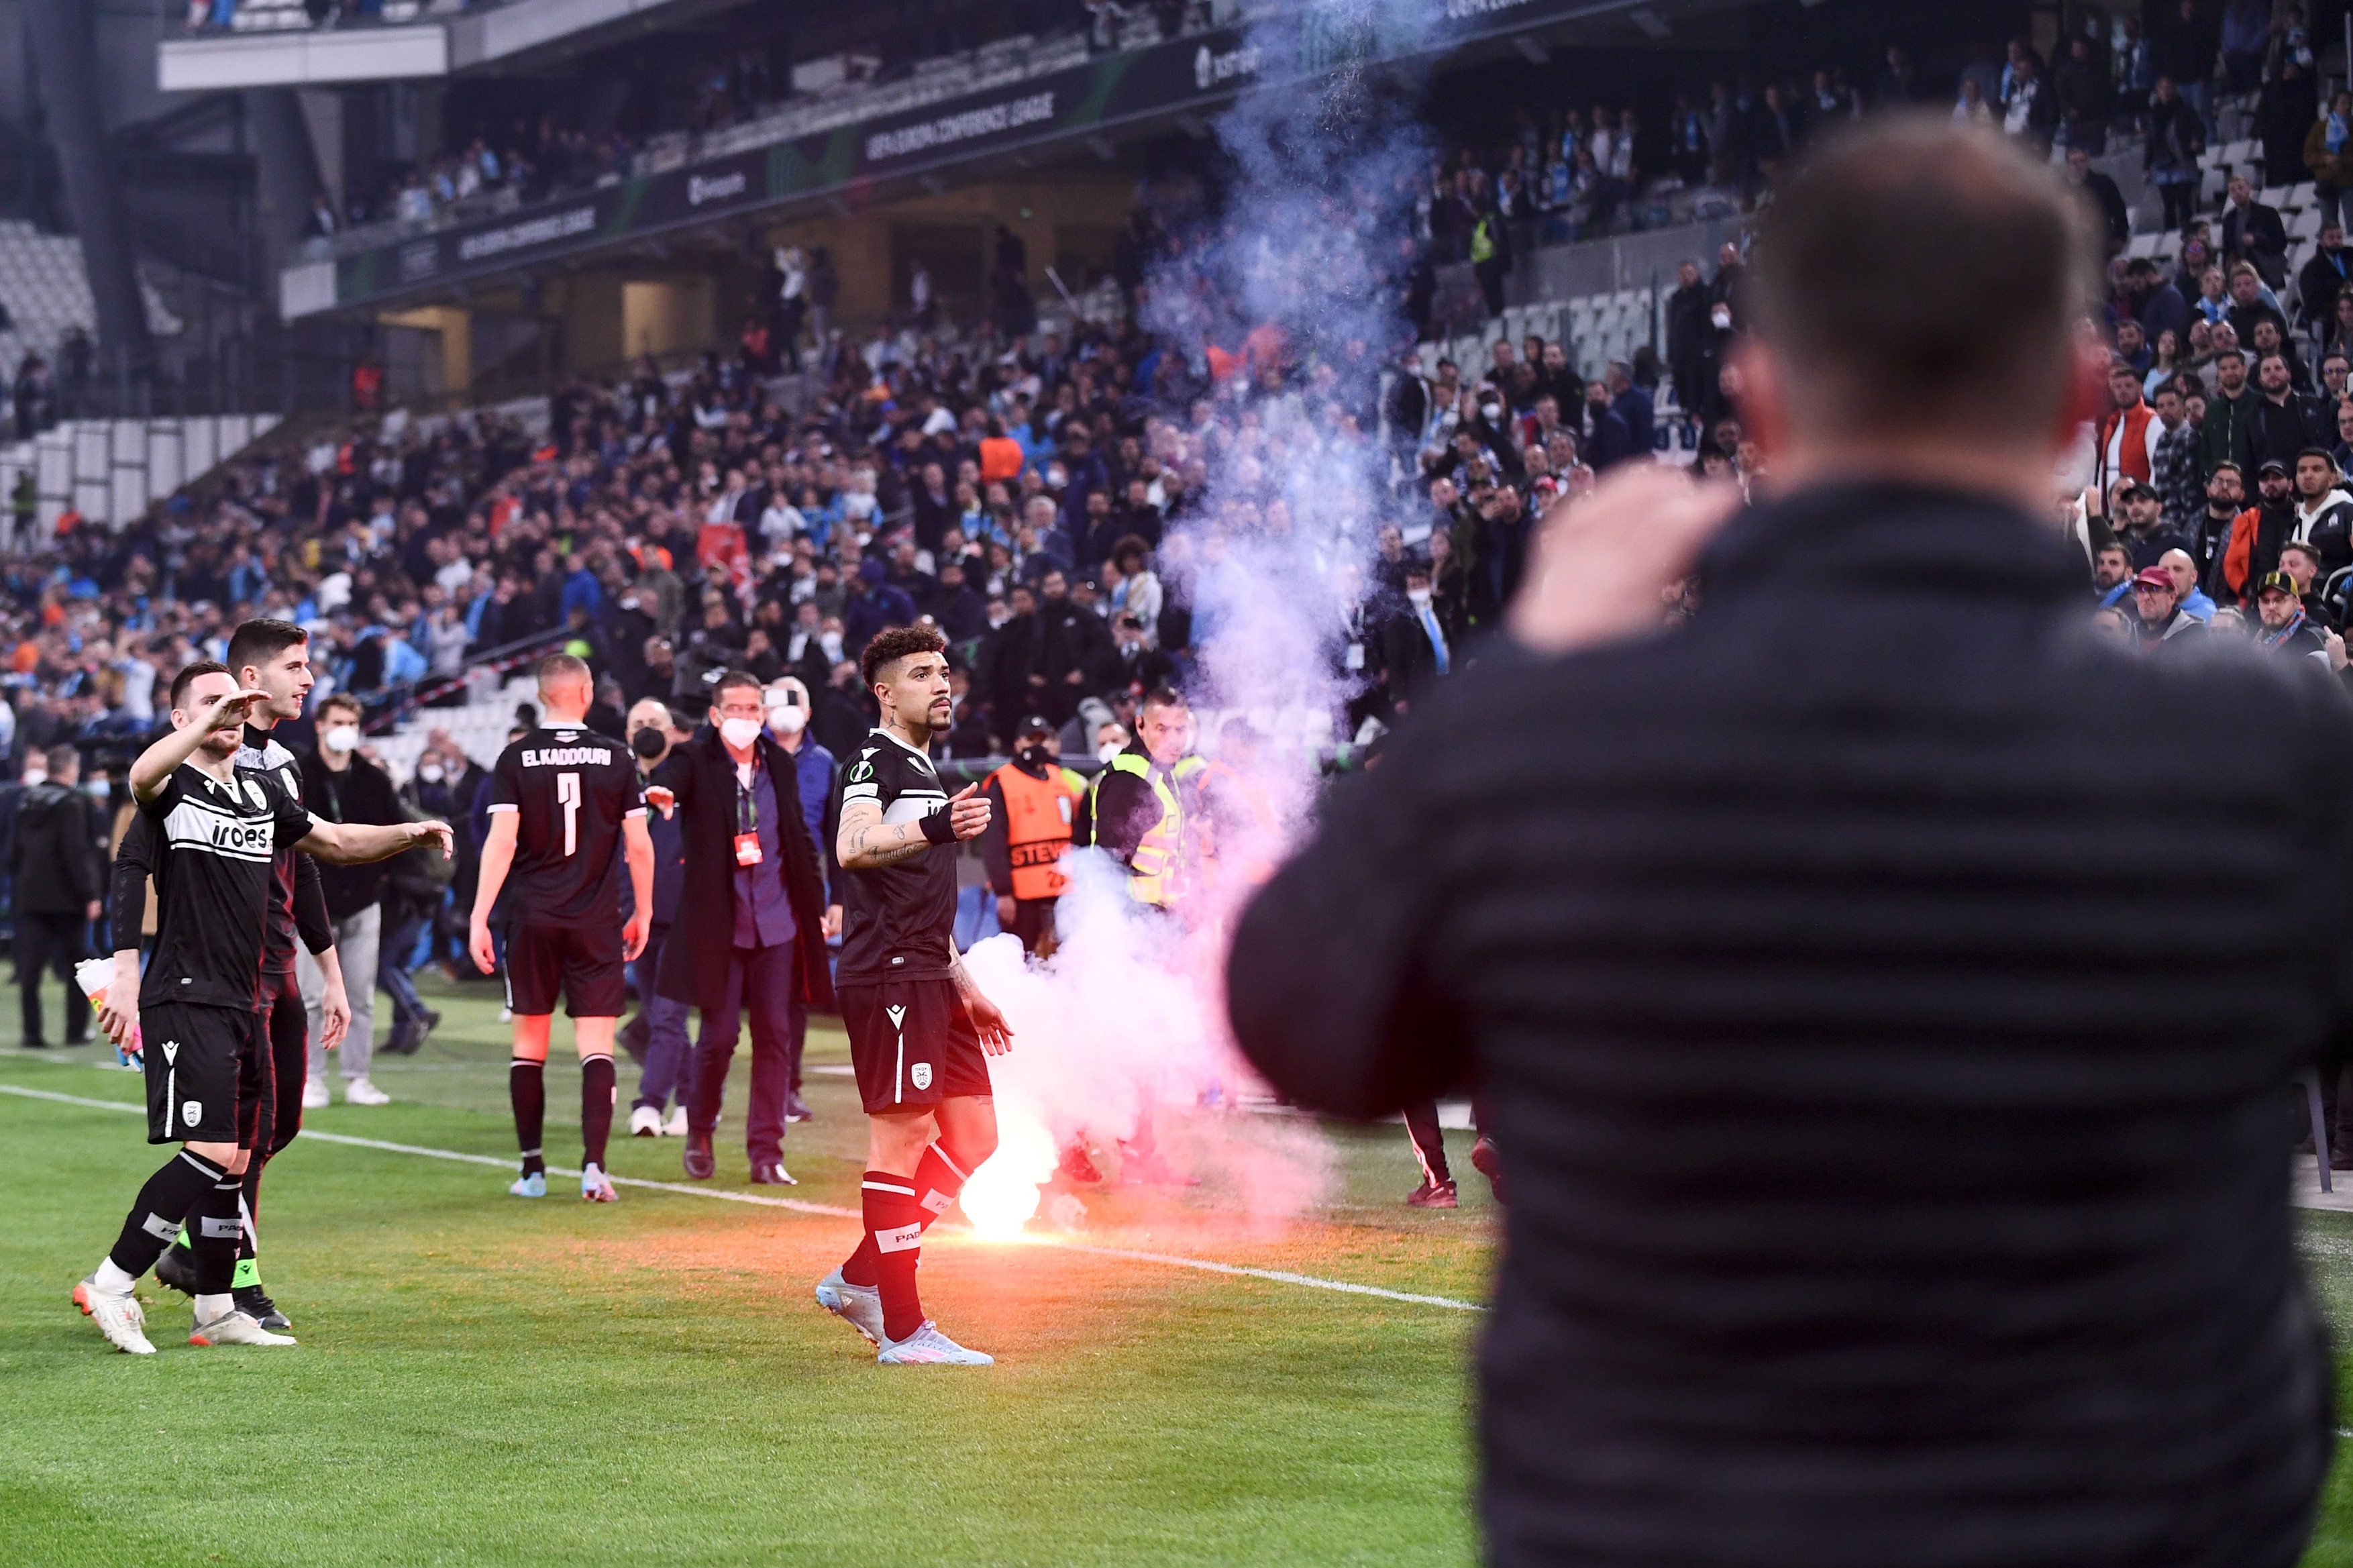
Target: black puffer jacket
x,y
1898,1163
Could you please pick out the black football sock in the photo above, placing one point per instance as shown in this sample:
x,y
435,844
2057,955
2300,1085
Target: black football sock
x,y
169,1198
938,1180
895,1224
217,1229
596,1091
248,1237
527,1088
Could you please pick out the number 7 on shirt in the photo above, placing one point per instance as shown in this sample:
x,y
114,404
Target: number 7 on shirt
x,y
568,796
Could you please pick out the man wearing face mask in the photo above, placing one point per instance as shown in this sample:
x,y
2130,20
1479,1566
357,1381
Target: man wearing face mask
x,y
658,1033
788,706
1416,648
340,785
751,917
1033,802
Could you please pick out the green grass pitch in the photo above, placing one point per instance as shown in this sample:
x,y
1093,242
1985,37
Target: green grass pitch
x,y
487,1380
484,1380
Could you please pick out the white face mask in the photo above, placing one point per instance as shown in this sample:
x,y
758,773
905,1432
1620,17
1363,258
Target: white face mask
x,y
1108,750
831,643
788,721
1721,317
341,738
430,773
739,733
1420,598
97,788
32,777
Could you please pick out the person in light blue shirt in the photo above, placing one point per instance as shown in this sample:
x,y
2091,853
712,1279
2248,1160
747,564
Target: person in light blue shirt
x,y
788,709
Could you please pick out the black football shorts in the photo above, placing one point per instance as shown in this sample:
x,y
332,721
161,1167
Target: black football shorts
x,y
203,1064
911,1044
581,963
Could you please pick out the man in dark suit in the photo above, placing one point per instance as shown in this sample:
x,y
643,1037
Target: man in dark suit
x,y
657,1036
53,864
2252,232
1883,1171
749,933
2101,195
1416,648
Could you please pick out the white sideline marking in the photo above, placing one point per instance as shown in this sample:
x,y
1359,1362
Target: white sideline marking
x,y
504,1162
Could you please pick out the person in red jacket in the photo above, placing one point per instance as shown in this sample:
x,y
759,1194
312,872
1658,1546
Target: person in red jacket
x,y
2257,535
2129,431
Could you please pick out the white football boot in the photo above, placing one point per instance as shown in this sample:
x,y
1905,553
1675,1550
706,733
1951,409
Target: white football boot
x,y
119,1318
234,1327
860,1306
929,1347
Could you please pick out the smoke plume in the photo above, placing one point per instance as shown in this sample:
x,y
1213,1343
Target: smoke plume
x,y
1285,297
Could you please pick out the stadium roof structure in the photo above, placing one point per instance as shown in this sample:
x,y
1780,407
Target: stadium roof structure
x,y
762,169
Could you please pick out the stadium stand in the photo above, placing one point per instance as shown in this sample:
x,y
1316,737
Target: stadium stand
x,y
47,291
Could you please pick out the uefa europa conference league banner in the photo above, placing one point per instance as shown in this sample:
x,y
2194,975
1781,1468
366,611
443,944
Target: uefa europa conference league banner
x,y
1182,73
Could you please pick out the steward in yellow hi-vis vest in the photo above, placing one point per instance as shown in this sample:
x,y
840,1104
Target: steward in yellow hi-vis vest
x,y
1144,810
1035,803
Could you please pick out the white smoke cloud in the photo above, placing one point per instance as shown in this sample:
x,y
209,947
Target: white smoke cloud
x,y
1299,268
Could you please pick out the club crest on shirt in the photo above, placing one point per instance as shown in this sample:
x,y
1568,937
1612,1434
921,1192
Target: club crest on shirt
x,y
253,793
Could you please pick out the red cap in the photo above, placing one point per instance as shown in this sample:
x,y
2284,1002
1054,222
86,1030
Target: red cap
x,y
2153,578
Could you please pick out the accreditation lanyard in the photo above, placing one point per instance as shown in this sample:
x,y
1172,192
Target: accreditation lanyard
x,y
747,820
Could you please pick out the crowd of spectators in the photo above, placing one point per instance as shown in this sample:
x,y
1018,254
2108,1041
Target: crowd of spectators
x,y
1569,171
529,161
1025,490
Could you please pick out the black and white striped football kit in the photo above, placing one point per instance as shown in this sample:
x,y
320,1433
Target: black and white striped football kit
x,y
204,1043
911,1041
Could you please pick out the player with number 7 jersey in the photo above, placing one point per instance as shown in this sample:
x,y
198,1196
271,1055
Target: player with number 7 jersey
x,y
566,813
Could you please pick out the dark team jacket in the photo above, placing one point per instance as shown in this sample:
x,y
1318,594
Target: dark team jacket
x,y
702,941
53,861
1897,1174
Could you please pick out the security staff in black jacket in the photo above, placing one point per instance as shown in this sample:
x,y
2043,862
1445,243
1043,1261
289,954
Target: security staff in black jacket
x,y
1896,1178
53,862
